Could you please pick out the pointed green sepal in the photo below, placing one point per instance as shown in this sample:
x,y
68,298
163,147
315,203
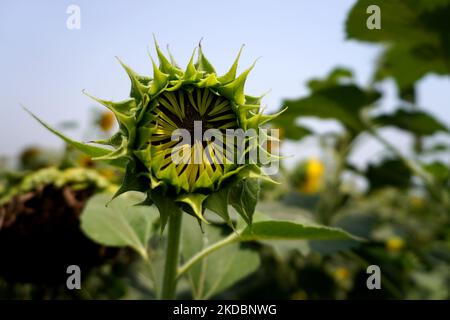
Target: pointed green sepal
x,y
133,180
166,206
91,151
114,141
195,202
244,196
160,79
256,100
164,64
124,112
202,62
255,172
218,203
234,90
138,89
209,81
259,119
172,59
231,74
191,73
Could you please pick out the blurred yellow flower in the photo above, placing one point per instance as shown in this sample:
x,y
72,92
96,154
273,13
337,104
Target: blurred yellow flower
x,y
341,274
106,121
112,188
395,244
85,161
107,173
313,176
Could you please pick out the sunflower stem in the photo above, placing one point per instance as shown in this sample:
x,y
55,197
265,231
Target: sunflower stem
x,y
208,250
172,256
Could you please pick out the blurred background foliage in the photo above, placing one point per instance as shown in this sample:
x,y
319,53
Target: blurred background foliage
x,y
399,204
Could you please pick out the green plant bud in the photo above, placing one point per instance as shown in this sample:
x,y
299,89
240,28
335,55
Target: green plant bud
x,y
173,100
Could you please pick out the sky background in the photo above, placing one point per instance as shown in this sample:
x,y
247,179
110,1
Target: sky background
x,y
45,66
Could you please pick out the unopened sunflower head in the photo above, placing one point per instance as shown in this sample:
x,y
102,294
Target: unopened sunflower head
x,y
177,138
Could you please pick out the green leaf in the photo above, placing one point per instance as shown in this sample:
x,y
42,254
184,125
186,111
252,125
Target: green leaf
x,y
398,22
90,150
416,34
120,223
219,270
218,203
436,148
289,230
288,129
340,102
244,197
390,172
335,77
133,180
408,63
440,171
295,132
417,122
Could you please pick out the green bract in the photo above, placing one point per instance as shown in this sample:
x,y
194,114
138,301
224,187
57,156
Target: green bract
x,y
174,99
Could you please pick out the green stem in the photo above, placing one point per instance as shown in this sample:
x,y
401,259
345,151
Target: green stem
x,y
438,193
200,255
172,255
409,163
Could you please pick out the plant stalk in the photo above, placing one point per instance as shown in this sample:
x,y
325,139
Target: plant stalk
x,y
200,255
172,256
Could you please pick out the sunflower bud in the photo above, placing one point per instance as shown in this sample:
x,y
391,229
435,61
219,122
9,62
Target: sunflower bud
x,y
188,138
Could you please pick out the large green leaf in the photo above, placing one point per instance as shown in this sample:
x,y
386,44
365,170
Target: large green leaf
x,y
388,173
219,270
407,63
289,230
416,122
336,76
338,102
398,22
289,129
440,171
416,34
292,131
119,223
278,211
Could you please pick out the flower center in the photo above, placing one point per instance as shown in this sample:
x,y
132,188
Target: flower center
x,y
196,111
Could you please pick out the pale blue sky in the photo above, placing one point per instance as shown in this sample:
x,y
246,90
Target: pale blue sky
x,y
45,66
